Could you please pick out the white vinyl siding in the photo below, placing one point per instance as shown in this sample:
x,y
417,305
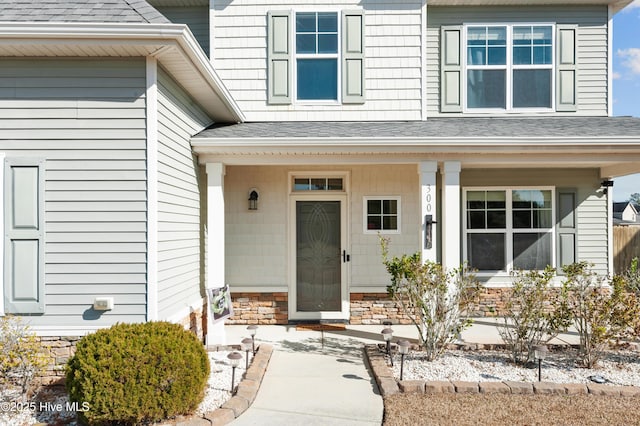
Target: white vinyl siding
x,y
180,212
87,119
591,40
392,55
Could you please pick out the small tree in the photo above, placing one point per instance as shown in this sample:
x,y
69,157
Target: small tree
x,y
21,356
601,314
632,277
434,299
534,314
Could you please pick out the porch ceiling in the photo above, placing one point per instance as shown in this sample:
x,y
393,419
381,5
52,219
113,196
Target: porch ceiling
x,y
609,143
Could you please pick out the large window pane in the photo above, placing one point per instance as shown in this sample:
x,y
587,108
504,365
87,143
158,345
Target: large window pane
x,y
532,88
486,89
317,79
486,251
531,251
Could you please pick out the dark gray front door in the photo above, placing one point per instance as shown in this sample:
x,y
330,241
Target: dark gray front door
x,y
318,259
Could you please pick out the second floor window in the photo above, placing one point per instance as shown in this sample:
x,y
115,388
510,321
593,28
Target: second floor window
x,y
509,66
317,56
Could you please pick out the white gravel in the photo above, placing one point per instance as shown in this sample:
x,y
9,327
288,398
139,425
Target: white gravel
x,y
618,367
50,407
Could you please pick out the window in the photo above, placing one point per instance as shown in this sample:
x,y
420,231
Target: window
x,y
317,55
509,66
317,184
382,215
509,229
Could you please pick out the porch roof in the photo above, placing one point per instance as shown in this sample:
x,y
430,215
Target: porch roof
x,y
609,143
433,128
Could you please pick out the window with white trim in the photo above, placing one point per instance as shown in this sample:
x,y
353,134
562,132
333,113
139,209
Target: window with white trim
x,y
509,229
381,215
509,67
316,56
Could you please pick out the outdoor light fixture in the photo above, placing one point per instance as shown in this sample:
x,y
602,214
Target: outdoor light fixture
x,y
387,334
540,352
403,348
252,332
606,184
246,344
234,359
253,199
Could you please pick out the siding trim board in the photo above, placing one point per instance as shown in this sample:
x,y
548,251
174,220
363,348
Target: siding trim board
x,y
152,188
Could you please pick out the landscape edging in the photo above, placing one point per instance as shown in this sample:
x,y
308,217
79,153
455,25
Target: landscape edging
x,y
389,385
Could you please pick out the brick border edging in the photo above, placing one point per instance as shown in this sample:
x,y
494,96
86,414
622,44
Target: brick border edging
x,y
389,385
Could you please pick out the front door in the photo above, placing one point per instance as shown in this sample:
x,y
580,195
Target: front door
x,y
319,261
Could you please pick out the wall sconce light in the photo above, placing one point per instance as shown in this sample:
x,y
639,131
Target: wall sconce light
x,y
605,185
253,199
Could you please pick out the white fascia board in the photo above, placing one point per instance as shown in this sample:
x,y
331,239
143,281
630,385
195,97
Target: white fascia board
x,y
165,38
401,143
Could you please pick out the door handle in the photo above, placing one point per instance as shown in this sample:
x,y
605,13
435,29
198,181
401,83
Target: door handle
x,y
345,257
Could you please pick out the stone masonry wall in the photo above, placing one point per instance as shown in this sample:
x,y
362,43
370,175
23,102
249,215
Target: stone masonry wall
x,y
259,308
375,308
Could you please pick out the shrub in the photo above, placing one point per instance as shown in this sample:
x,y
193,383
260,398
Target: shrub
x,y
133,373
534,314
21,356
434,299
601,314
632,277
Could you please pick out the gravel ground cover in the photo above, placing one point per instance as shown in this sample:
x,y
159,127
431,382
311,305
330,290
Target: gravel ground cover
x,y
50,405
621,367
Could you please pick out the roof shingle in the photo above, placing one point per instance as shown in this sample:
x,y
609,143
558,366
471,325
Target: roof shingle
x,y
116,11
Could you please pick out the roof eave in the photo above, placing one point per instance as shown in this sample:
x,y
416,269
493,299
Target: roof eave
x,y
166,42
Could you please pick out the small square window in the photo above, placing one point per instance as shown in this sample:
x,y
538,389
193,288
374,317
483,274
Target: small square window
x,y
382,215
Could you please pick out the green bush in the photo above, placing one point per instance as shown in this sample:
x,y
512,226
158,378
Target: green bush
x,y
133,373
436,300
602,312
534,314
21,356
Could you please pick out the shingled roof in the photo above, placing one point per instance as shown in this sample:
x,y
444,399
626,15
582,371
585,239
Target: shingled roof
x,y
458,127
117,11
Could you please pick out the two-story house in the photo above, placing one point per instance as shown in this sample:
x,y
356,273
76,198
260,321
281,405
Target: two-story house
x,y
268,145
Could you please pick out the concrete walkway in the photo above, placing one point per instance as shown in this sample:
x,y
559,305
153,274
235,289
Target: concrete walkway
x,y
313,378
319,377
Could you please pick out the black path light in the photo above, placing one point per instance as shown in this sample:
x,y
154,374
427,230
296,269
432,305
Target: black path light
x,y
540,352
234,359
403,348
246,344
387,334
253,329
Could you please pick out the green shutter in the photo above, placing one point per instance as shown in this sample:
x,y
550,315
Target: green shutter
x,y
353,57
566,69
279,57
451,69
24,236
566,228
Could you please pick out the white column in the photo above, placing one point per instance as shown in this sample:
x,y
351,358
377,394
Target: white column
x,y
215,243
427,170
152,188
610,254
451,215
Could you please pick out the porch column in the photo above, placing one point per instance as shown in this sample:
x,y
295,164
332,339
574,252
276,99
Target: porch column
x,y
451,215
428,244
215,243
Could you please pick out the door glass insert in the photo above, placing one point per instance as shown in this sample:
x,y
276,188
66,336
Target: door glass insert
x,y
318,261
